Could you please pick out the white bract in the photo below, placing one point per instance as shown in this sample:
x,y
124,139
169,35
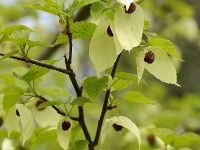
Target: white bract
x,y
102,50
162,67
129,27
122,121
126,2
63,136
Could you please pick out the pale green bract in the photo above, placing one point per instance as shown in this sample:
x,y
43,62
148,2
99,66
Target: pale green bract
x,y
102,47
63,136
28,124
162,67
126,2
11,119
129,27
122,121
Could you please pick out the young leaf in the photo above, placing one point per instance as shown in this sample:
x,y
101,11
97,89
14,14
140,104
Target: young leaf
x,y
49,103
83,3
94,85
34,72
47,8
62,38
11,98
132,96
97,9
122,121
102,46
10,54
79,145
162,67
27,121
80,101
44,137
129,27
60,3
185,139
82,29
63,136
38,43
166,45
120,84
10,29
166,135
11,119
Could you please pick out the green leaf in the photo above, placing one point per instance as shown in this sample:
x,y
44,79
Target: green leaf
x,y
34,72
166,45
9,54
11,98
10,29
11,119
97,9
185,139
109,15
62,38
38,43
122,121
13,135
49,103
80,101
120,84
75,130
82,29
166,135
19,41
162,67
83,3
94,85
80,145
129,27
146,24
27,121
63,136
150,34
44,137
60,3
132,96
103,47
50,8
20,34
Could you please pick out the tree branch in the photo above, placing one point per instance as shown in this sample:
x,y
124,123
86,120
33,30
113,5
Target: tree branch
x,y
104,109
40,63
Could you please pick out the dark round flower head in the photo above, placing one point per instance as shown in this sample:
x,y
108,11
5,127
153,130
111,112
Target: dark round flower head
x,y
131,8
149,57
117,127
1,121
111,107
17,113
109,32
151,139
66,125
38,103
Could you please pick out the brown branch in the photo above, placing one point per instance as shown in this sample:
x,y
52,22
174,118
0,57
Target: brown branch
x,y
104,109
40,63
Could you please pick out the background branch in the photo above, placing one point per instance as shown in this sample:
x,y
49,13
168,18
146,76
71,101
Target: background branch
x,y
40,63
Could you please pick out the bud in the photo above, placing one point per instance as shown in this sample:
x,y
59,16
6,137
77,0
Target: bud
x,y
117,127
149,57
17,113
109,32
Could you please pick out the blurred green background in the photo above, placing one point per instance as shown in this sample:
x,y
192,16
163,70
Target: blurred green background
x,y
179,107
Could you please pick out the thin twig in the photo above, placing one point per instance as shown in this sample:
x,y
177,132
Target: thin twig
x,y
40,63
104,109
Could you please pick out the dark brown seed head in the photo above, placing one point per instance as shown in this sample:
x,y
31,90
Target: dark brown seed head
x,y
111,107
38,103
149,57
151,139
1,121
131,8
109,32
66,125
117,127
17,113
